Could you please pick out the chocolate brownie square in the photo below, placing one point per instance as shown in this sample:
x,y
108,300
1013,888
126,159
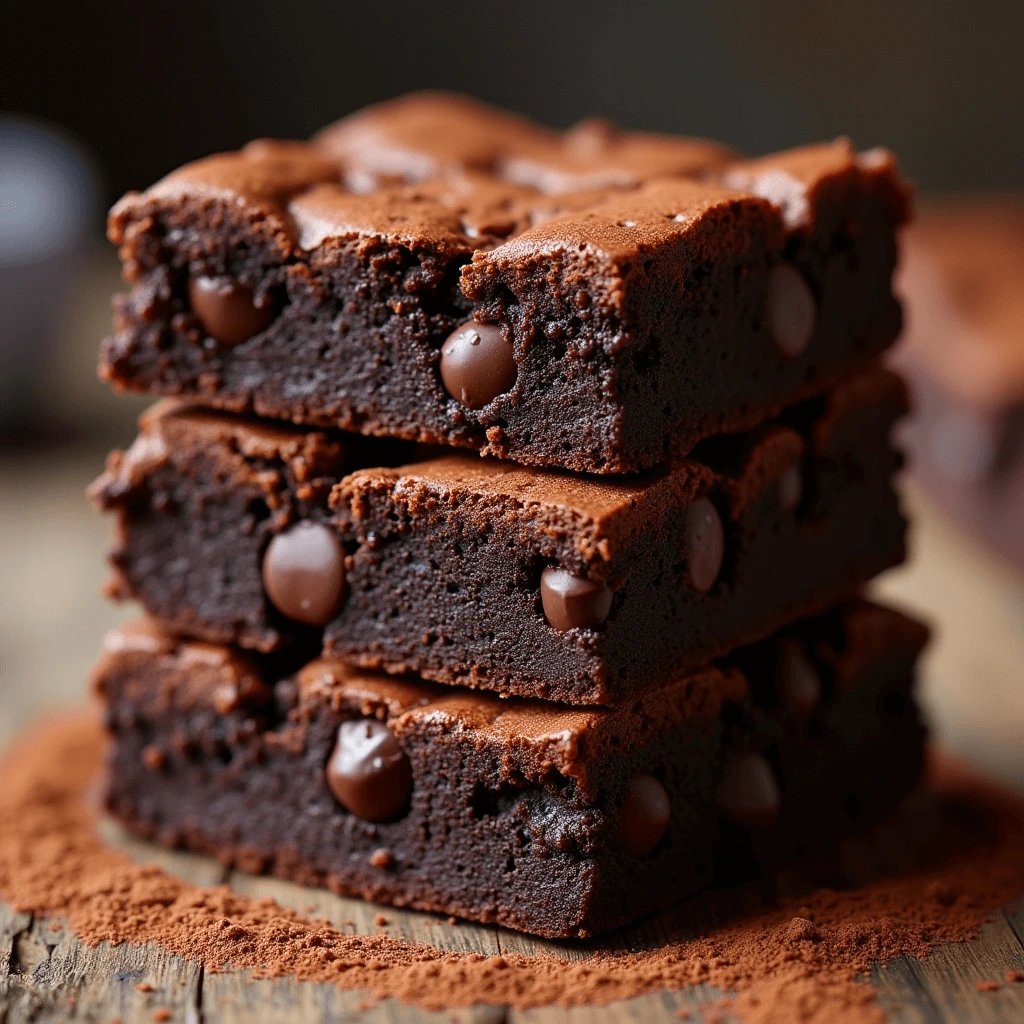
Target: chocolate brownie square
x,y
560,821
438,271
487,574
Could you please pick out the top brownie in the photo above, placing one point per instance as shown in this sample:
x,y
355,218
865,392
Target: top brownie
x,y
437,270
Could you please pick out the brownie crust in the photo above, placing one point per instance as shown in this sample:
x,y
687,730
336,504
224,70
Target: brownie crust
x,y
629,276
445,559
515,807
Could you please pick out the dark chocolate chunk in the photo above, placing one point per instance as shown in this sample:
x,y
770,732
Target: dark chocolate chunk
x,y
477,364
644,816
792,310
304,573
799,685
226,309
706,544
571,602
749,792
368,771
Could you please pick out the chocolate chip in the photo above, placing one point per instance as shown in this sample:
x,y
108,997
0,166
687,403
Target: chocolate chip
x,y
304,573
706,544
799,685
572,602
477,364
368,771
749,792
792,310
226,309
791,487
644,816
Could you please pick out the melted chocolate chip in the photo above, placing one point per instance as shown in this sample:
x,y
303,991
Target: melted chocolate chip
x,y
792,310
644,816
304,573
477,364
226,309
749,792
571,602
799,685
791,487
368,772
706,544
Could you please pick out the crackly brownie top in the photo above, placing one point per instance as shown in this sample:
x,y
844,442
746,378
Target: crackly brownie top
x,y
273,457
429,135
447,175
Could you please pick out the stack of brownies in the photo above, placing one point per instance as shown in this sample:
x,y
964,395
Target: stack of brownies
x,y
620,656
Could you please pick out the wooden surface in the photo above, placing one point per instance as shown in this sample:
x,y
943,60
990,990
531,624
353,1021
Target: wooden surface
x,y
51,624
48,975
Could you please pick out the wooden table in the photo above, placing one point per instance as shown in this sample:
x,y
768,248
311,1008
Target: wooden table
x,y
972,685
46,974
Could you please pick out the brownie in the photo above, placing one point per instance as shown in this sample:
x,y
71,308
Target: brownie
x,y
198,492
436,270
482,573
963,353
559,821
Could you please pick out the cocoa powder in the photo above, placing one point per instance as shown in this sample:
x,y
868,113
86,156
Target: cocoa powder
x,y
799,960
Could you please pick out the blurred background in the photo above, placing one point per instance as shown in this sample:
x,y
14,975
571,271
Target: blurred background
x,y
102,98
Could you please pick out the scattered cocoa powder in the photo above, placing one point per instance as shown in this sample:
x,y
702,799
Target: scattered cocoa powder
x,y
799,960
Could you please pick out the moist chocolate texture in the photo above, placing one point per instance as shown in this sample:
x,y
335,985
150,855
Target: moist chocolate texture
x,y
199,491
560,821
481,573
629,294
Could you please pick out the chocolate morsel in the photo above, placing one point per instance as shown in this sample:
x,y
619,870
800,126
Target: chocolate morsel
x,y
791,487
644,816
792,310
304,573
572,602
706,544
749,792
477,364
226,310
368,772
798,682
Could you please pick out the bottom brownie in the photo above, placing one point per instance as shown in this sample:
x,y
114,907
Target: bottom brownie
x,y
554,820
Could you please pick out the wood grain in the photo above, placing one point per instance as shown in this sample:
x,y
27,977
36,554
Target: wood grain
x,y
46,974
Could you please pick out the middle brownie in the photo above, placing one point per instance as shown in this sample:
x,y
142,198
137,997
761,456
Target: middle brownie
x,y
482,573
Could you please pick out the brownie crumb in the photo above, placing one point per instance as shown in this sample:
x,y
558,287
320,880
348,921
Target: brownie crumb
x,y
802,930
1015,977
380,920
987,986
382,858
161,1013
144,986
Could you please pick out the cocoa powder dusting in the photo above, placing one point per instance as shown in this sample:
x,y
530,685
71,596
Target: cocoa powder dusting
x,y
797,961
